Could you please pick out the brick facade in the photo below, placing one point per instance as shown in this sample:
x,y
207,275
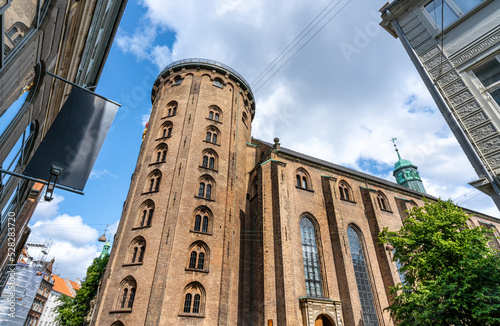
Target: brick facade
x,y
253,268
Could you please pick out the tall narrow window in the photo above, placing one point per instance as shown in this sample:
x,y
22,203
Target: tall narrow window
x,y
211,115
196,304
197,223
131,298
345,191
205,161
303,179
362,278
124,298
312,271
205,224
201,190
211,163
187,303
192,260
208,193
201,260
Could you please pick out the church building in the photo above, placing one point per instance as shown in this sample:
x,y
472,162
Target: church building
x,y
219,228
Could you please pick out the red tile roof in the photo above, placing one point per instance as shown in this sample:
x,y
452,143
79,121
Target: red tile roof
x,y
62,286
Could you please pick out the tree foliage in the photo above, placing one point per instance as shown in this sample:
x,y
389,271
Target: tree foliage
x,y
72,311
451,275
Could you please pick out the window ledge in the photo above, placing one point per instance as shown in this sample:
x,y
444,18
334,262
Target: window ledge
x,y
156,163
119,311
191,315
196,270
209,142
163,138
200,232
213,120
132,264
141,227
310,190
386,210
348,200
150,192
207,168
209,199
168,116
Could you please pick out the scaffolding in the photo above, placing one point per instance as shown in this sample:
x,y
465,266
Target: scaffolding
x,y
19,293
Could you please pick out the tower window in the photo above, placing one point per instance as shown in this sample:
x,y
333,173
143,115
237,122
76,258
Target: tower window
x,y
147,211
178,80
198,258
214,113
171,108
212,135
127,293
161,153
202,219
137,250
154,181
209,159
194,299
218,82
166,130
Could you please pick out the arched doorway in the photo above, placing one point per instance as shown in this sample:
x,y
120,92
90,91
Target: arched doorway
x,y
323,320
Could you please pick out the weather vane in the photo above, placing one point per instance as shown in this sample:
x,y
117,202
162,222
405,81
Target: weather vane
x,y
393,139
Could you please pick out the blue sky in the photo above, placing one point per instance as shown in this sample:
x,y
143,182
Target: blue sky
x,y
341,98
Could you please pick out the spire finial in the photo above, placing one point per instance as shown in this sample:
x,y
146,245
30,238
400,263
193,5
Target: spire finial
x,y
393,139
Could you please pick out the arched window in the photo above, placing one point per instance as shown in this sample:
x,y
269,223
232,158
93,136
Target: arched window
x,y
127,293
178,80
212,135
193,299
207,187
154,181
202,220
166,129
137,250
116,323
310,255
302,179
210,159
198,257
345,191
171,108
218,82
383,203
146,212
362,277
161,153
214,113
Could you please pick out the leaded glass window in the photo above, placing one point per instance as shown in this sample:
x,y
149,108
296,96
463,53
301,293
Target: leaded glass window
x,y
187,303
310,256
362,279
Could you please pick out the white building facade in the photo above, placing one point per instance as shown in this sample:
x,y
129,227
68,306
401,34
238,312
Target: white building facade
x,y
456,50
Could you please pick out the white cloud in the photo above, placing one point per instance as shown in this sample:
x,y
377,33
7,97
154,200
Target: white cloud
x,y
66,228
73,241
340,106
99,174
47,209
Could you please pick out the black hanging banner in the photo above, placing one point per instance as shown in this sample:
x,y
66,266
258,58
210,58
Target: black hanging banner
x,y
74,140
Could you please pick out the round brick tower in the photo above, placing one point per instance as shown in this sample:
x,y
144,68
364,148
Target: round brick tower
x,y
175,259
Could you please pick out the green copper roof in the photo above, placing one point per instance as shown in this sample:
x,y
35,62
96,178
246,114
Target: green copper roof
x,y
402,163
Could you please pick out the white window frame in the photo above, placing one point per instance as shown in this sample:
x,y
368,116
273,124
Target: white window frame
x,y
453,6
485,91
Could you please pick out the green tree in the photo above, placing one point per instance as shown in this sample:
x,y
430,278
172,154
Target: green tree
x,y
72,311
451,275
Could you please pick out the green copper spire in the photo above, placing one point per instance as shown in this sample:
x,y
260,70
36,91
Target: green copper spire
x,y
406,173
105,249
